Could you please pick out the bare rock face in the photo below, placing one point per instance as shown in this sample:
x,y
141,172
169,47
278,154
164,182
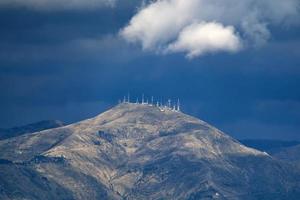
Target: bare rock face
x,y
135,151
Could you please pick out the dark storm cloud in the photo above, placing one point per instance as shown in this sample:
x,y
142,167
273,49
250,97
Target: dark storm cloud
x,y
71,65
46,5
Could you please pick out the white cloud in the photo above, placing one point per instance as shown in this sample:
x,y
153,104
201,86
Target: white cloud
x,y
161,25
198,39
159,22
57,4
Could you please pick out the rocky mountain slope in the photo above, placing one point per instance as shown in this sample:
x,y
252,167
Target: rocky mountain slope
x,y
135,151
30,128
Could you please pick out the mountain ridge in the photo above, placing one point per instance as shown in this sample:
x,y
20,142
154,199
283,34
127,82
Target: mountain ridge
x,y
29,128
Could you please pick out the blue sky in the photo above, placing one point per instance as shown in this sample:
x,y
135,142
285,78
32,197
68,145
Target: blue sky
x,y
70,60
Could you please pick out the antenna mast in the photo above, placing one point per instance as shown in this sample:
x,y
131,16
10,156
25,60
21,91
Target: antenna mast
x,y
178,105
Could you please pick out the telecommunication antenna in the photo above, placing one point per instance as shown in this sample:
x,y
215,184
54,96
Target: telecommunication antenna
x,y
169,103
178,105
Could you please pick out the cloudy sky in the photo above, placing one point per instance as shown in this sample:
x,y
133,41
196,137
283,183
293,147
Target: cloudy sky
x,y
233,63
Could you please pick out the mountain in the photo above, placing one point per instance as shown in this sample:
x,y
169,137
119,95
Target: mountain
x,y
135,151
30,128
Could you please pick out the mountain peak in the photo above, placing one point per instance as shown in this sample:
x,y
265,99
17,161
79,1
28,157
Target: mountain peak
x,y
145,109
135,126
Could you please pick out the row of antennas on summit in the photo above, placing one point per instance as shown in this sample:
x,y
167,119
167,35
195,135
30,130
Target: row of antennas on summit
x,y
169,105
